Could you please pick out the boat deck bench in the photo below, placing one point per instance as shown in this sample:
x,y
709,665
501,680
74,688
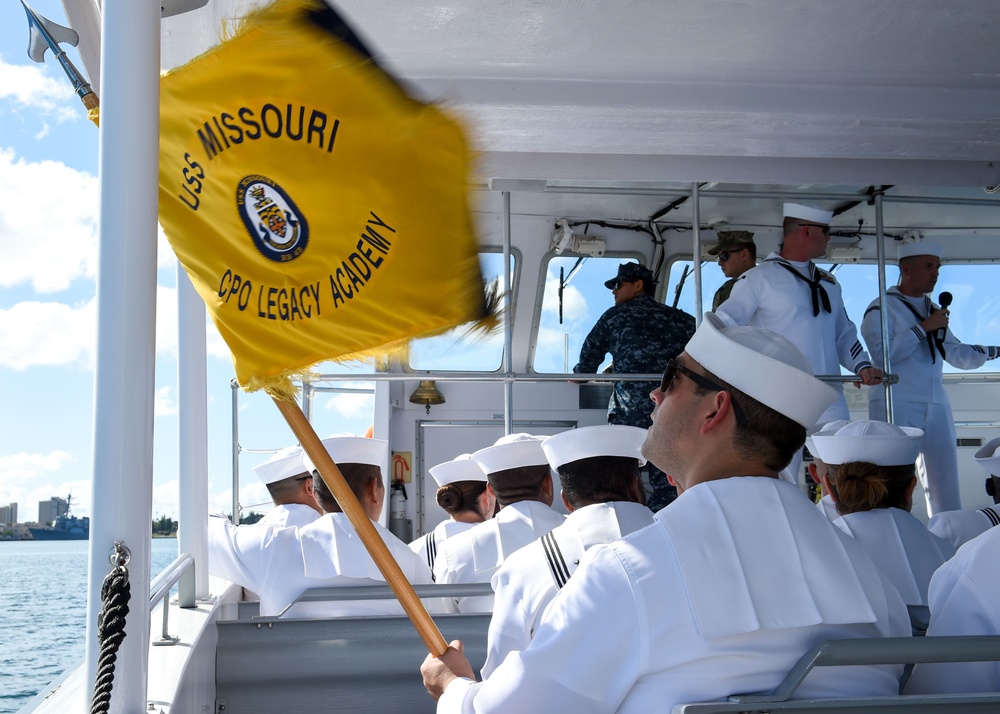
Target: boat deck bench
x,y
890,650
267,665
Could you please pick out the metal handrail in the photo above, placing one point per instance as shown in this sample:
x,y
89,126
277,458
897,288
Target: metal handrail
x,y
534,377
384,592
885,650
182,570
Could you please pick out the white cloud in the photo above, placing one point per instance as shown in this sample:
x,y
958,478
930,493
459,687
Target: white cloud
x,y
166,499
351,406
48,333
28,86
574,303
48,223
164,403
26,479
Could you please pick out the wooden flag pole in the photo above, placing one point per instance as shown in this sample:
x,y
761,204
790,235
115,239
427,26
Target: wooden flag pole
x,y
387,565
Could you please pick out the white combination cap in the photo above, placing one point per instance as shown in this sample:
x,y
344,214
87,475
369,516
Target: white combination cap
x,y
808,213
513,451
764,365
461,468
829,428
874,442
285,463
908,250
350,449
590,441
989,457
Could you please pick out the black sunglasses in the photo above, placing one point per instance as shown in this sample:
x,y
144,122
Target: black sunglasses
x,y
724,255
670,374
825,229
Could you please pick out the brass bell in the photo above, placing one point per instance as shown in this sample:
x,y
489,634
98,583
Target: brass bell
x,y
427,394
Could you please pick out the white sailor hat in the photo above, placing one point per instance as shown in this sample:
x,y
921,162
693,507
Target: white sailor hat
x,y
284,463
764,365
350,449
808,213
461,468
513,451
829,428
874,442
989,457
907,250
590,441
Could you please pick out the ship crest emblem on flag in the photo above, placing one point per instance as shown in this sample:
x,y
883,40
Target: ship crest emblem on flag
x,y
272,219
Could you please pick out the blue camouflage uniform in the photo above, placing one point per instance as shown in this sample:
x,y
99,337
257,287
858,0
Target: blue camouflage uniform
x,y
641,335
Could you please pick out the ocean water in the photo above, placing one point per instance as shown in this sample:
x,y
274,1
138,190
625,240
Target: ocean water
x,y
43,617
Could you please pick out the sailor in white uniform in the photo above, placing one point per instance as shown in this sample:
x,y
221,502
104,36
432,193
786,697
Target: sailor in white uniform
x,y
234,551
789,294
871,478
467,498
328,551
601,487
959,527
920,345
818,469
519,475
964,600
711,599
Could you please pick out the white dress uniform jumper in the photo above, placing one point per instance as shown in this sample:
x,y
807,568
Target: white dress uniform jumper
x,y
919,398
649,621
528,580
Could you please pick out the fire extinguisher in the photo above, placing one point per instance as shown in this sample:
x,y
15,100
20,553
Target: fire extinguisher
x,y
399,524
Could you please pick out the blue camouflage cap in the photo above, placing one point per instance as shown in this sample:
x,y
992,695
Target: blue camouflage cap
x,y
628,273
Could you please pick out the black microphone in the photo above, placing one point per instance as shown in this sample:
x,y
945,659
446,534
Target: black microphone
x,y
944,299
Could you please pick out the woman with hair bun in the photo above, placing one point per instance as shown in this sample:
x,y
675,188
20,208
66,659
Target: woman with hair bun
x,y
464,494
871,478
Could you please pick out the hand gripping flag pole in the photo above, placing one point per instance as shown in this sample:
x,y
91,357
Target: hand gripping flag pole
x,y
304,192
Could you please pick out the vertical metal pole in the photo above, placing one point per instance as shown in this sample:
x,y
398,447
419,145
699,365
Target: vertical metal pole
x,y
884,323
307,399
696,247
126,333
508,325
192,428
235,387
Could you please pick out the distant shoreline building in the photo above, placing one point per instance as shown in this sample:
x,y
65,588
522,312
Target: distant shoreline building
x,y
49,511
8,515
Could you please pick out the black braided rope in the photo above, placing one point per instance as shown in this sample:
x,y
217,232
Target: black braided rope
x,y
115,594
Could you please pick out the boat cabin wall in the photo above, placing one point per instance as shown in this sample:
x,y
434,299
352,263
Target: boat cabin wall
x,y
472,415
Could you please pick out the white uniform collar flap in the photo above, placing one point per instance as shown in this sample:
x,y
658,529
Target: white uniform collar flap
x,y
729,534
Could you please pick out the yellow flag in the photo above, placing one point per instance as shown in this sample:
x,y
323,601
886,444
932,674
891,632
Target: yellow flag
x,y
320,211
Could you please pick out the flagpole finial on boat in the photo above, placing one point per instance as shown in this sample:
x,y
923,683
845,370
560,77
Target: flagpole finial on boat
x,y
46,34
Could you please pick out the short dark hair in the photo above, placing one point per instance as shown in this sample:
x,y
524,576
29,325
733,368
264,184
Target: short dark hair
x,y
461,497
598,479
358,476
285,490
521,484
863,486
769,437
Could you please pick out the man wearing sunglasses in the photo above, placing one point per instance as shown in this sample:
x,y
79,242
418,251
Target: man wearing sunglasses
x,y
641,334
789,294
737,254
729,586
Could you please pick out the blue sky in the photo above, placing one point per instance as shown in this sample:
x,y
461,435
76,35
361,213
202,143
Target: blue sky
x,y
48,244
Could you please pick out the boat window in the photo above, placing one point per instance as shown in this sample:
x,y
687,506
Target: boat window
x,y
454,350
564,324
974,309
